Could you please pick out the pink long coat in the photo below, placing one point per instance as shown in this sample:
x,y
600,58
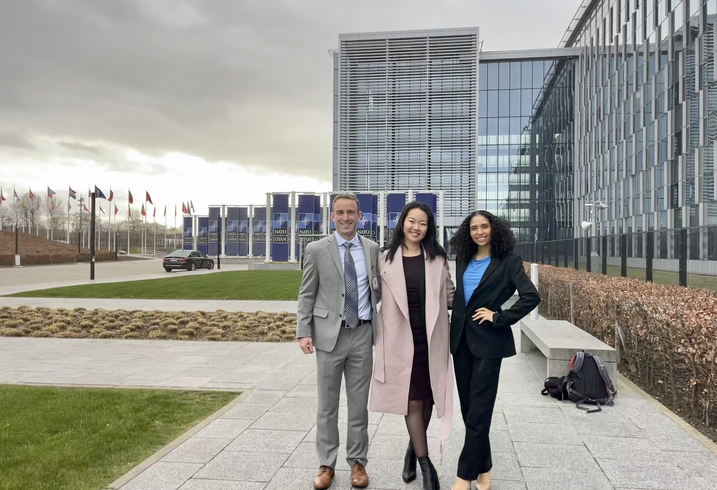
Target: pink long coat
x,y
393,358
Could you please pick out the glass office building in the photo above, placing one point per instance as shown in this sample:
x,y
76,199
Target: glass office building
x,y
525,144
623,112
646,113
405,114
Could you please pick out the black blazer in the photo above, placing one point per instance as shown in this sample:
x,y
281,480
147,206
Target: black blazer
x,y
500,281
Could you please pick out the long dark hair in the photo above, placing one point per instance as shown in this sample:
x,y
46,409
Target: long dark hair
x,y
502,240
430,244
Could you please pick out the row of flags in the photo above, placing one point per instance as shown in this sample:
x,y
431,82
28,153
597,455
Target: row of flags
x,y
187,208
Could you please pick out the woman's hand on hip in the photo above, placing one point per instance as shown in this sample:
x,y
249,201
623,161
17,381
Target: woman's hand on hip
x,y
483,314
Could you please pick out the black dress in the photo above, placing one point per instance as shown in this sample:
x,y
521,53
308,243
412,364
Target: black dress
x,y
414,271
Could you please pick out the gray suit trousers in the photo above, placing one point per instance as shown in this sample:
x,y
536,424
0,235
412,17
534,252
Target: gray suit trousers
x,y
352,358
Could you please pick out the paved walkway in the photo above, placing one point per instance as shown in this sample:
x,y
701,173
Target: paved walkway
x,y
31,278
267,440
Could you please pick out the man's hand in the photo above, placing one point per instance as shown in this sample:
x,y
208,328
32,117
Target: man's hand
x,y
307,346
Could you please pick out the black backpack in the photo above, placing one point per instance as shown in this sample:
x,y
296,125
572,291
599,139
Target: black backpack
x,y
586,383
556,387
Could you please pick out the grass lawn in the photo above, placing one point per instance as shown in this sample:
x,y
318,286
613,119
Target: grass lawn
x,y
248,285
77,439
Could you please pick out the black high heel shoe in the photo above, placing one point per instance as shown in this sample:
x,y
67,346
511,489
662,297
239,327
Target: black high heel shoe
x,y
430,475
409,464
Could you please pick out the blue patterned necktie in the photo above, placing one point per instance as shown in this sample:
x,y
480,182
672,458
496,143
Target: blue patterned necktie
x,y
351,308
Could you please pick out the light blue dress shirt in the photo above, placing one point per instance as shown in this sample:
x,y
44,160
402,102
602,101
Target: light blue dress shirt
x,y
473,275
362,279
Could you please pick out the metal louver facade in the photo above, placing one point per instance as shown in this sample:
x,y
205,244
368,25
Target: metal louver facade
x,y
405,114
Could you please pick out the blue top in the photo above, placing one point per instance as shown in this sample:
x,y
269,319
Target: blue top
x,y
473,275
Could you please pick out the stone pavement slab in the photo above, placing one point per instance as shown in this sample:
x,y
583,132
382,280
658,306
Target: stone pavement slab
x,y
267,440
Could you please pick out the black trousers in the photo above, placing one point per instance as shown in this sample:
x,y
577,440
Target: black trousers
x,y
477,383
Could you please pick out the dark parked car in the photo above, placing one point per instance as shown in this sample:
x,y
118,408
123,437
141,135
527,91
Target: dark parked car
x,y
187,259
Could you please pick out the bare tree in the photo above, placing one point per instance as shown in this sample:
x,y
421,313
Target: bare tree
x,y
54,216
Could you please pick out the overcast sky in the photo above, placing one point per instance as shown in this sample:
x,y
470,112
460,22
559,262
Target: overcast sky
x,y
218,101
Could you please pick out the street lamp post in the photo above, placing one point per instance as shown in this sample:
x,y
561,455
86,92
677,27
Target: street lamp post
x,y
587,225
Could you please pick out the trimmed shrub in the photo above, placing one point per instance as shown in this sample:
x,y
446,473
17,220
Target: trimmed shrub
x,y
666,336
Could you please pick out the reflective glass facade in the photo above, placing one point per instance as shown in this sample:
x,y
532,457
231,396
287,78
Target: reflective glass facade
x,y
525,145
646,113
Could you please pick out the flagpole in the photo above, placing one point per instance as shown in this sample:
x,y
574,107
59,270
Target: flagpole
x,y
109,224
145,228
154,217
129,216
68,217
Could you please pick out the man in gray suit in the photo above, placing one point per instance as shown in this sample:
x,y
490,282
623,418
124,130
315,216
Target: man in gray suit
x,y
337,301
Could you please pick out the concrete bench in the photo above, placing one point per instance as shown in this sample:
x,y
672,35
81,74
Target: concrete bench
x,y
558,341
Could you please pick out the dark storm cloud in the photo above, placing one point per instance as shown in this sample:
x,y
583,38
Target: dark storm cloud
x,y
242,81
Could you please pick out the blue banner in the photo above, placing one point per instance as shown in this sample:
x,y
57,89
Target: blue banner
x,y
187,239
308,221
237,235
332,225
215,213
259,236
394,205
368,224
203,234
280,228
429,198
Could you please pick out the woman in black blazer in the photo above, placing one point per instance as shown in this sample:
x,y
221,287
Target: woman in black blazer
x,y
488,272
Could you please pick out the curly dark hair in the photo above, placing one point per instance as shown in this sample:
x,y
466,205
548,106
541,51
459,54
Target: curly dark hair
x,y
502,240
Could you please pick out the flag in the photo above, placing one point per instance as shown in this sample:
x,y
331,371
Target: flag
x,y
99,194
144,213
73,194
32,196
50,192
165,210
53,207
131,199
148,199
154,213
112,195
184,209
37,206
22,201
14,192
116,210
85,207
2,198
102,210
192,203
129,213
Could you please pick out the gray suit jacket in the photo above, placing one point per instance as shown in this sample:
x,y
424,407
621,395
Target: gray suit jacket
x,y
321,297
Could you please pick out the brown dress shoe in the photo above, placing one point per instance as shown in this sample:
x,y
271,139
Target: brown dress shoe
x,y
359,478
324,478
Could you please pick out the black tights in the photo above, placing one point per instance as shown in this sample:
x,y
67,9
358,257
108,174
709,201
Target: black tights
x,y
417,420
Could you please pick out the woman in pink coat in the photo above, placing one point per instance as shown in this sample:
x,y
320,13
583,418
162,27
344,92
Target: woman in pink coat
x,y
413,369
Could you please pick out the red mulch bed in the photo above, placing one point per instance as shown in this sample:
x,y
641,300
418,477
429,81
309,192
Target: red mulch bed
x,y
36,250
